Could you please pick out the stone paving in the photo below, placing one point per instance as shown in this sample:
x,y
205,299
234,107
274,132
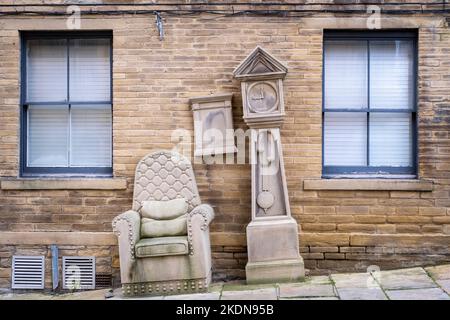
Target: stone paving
x,y
430,283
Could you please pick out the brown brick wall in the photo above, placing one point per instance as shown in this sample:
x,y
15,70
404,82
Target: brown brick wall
x,y
152,83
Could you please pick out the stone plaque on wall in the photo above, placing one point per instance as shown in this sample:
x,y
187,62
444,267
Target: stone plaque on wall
x,y
213,124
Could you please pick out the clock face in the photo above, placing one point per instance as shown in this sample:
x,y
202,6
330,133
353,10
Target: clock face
x,y
262,97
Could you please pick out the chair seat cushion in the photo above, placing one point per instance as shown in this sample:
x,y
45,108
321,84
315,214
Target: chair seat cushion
x,y
164,246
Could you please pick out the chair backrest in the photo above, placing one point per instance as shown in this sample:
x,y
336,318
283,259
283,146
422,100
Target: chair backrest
x,y
165,175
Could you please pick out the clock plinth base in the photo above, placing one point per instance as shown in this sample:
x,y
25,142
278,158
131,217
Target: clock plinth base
x,y
273,253
275,271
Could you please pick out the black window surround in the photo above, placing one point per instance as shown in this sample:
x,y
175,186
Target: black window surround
x,y
26,171
331,171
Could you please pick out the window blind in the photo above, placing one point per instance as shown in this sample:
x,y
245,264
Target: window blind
x,y
91,135
345,74
46,71
345,138
390,139
89,70
391,70
48,136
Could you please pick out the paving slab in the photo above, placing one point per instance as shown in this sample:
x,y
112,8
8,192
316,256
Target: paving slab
x,y
354,280
414,278
26,296
318,280
361,294
444,284
216,287
439,272
83,295
418,294
306,290
238,286
256,294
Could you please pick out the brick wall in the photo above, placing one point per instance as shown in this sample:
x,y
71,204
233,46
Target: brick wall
x,y
152,82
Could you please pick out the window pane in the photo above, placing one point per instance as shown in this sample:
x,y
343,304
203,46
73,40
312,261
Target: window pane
x,y
47,136
390,139
90,70
46,70
391,74
345,138
345,74
90,135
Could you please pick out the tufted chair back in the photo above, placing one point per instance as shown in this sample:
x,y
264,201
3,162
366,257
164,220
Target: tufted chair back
x,y
165,175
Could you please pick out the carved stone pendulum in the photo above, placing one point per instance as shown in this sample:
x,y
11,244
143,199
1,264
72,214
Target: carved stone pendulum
x,y
272,235
265,198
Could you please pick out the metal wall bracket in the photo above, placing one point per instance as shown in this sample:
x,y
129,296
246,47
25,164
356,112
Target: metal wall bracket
x,y
159,25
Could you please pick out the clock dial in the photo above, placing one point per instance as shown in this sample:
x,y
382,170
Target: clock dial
x,y
262,97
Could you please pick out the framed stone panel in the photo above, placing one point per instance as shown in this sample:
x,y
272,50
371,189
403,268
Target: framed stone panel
x,y
213,124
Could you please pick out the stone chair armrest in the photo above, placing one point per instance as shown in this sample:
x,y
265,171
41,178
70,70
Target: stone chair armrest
x,y
132,217
206,211
127,226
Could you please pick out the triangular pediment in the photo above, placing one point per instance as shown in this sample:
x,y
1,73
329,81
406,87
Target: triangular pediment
x,y
259,63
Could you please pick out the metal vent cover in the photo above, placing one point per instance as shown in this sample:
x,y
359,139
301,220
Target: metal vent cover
x,y
103,280
28,272
78,273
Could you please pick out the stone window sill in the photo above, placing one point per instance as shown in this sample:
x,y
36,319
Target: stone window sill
x,y
64,184
368,184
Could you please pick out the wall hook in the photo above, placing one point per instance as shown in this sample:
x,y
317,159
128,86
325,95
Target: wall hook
x,y
159,25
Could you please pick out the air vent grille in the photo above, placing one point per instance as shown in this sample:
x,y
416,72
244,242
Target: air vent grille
x,y
103,280
28,272
78,273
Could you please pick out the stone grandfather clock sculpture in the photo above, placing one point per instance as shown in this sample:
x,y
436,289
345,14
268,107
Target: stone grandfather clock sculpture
x,y
272,235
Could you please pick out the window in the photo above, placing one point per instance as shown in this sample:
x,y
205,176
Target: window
x,y
66,104
369,104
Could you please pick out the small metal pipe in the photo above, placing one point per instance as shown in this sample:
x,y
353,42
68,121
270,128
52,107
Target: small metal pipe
x,y
55,268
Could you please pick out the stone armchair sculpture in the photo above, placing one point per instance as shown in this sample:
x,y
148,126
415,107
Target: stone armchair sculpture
x,y
177,257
